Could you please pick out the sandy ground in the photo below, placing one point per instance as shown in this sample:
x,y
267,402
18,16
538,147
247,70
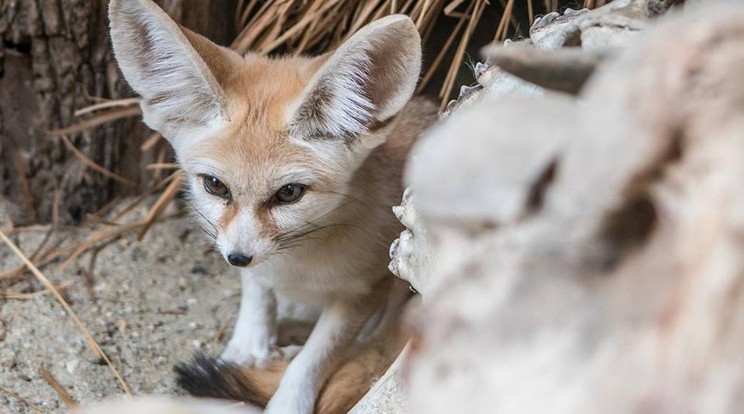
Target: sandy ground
x,y
152,304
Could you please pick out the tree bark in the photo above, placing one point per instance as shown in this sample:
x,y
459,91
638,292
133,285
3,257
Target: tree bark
x,y
54,56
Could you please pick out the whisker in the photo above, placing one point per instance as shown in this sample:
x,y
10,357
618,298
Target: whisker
x,y
212,235
298,236
351,201
214,228
359,199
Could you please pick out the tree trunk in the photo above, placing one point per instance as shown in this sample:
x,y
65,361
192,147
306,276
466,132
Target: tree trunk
x,y
54,56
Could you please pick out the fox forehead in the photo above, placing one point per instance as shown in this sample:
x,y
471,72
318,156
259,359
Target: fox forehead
x,y
254,147
257,163
261,88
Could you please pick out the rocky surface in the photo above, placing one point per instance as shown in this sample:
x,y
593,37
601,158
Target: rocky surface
x,y
585,251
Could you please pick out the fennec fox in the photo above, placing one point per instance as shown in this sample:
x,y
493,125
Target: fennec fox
x,y
292,165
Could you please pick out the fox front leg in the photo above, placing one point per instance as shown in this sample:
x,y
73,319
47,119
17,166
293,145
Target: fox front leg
x,y
254,338
338,326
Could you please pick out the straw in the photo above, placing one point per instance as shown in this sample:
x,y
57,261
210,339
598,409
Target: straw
x,y
86,333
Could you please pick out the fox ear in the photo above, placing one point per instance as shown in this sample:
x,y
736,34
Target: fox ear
x,y
365,82
166,65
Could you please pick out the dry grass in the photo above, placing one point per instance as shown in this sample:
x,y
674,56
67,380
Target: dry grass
x,y
22,399
62,393
301,26
90,341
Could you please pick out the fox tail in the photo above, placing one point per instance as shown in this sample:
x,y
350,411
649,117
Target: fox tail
x,y
210,377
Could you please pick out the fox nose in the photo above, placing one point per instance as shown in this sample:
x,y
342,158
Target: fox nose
x,y
239,259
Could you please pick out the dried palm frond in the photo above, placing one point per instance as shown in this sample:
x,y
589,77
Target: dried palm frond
x,y
302,26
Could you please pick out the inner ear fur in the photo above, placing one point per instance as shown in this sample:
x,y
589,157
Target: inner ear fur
x,y
177,72
368,80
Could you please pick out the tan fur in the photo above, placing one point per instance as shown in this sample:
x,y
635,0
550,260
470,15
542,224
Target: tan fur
x,y
346,386
230,213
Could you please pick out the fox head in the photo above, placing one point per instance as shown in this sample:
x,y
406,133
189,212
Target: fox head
x,y
269,146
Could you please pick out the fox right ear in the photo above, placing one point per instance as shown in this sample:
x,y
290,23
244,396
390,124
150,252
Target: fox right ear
x,y
166,65
365,82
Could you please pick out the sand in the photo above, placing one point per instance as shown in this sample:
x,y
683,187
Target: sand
x,y
150,305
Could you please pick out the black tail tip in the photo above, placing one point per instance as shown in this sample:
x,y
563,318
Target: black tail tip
x,y
206,376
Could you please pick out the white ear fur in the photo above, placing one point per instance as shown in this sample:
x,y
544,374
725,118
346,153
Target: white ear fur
x,y
180,93
367,80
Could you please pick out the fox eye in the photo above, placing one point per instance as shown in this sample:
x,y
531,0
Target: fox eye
x,y
290,193
214,186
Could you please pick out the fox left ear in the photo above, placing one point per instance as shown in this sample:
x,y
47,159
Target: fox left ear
x,y
176,72
368,80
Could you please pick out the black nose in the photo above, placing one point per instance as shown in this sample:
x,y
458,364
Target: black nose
x,y
239,259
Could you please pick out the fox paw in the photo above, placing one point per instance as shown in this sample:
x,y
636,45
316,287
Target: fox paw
x,y
241,355
238,353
